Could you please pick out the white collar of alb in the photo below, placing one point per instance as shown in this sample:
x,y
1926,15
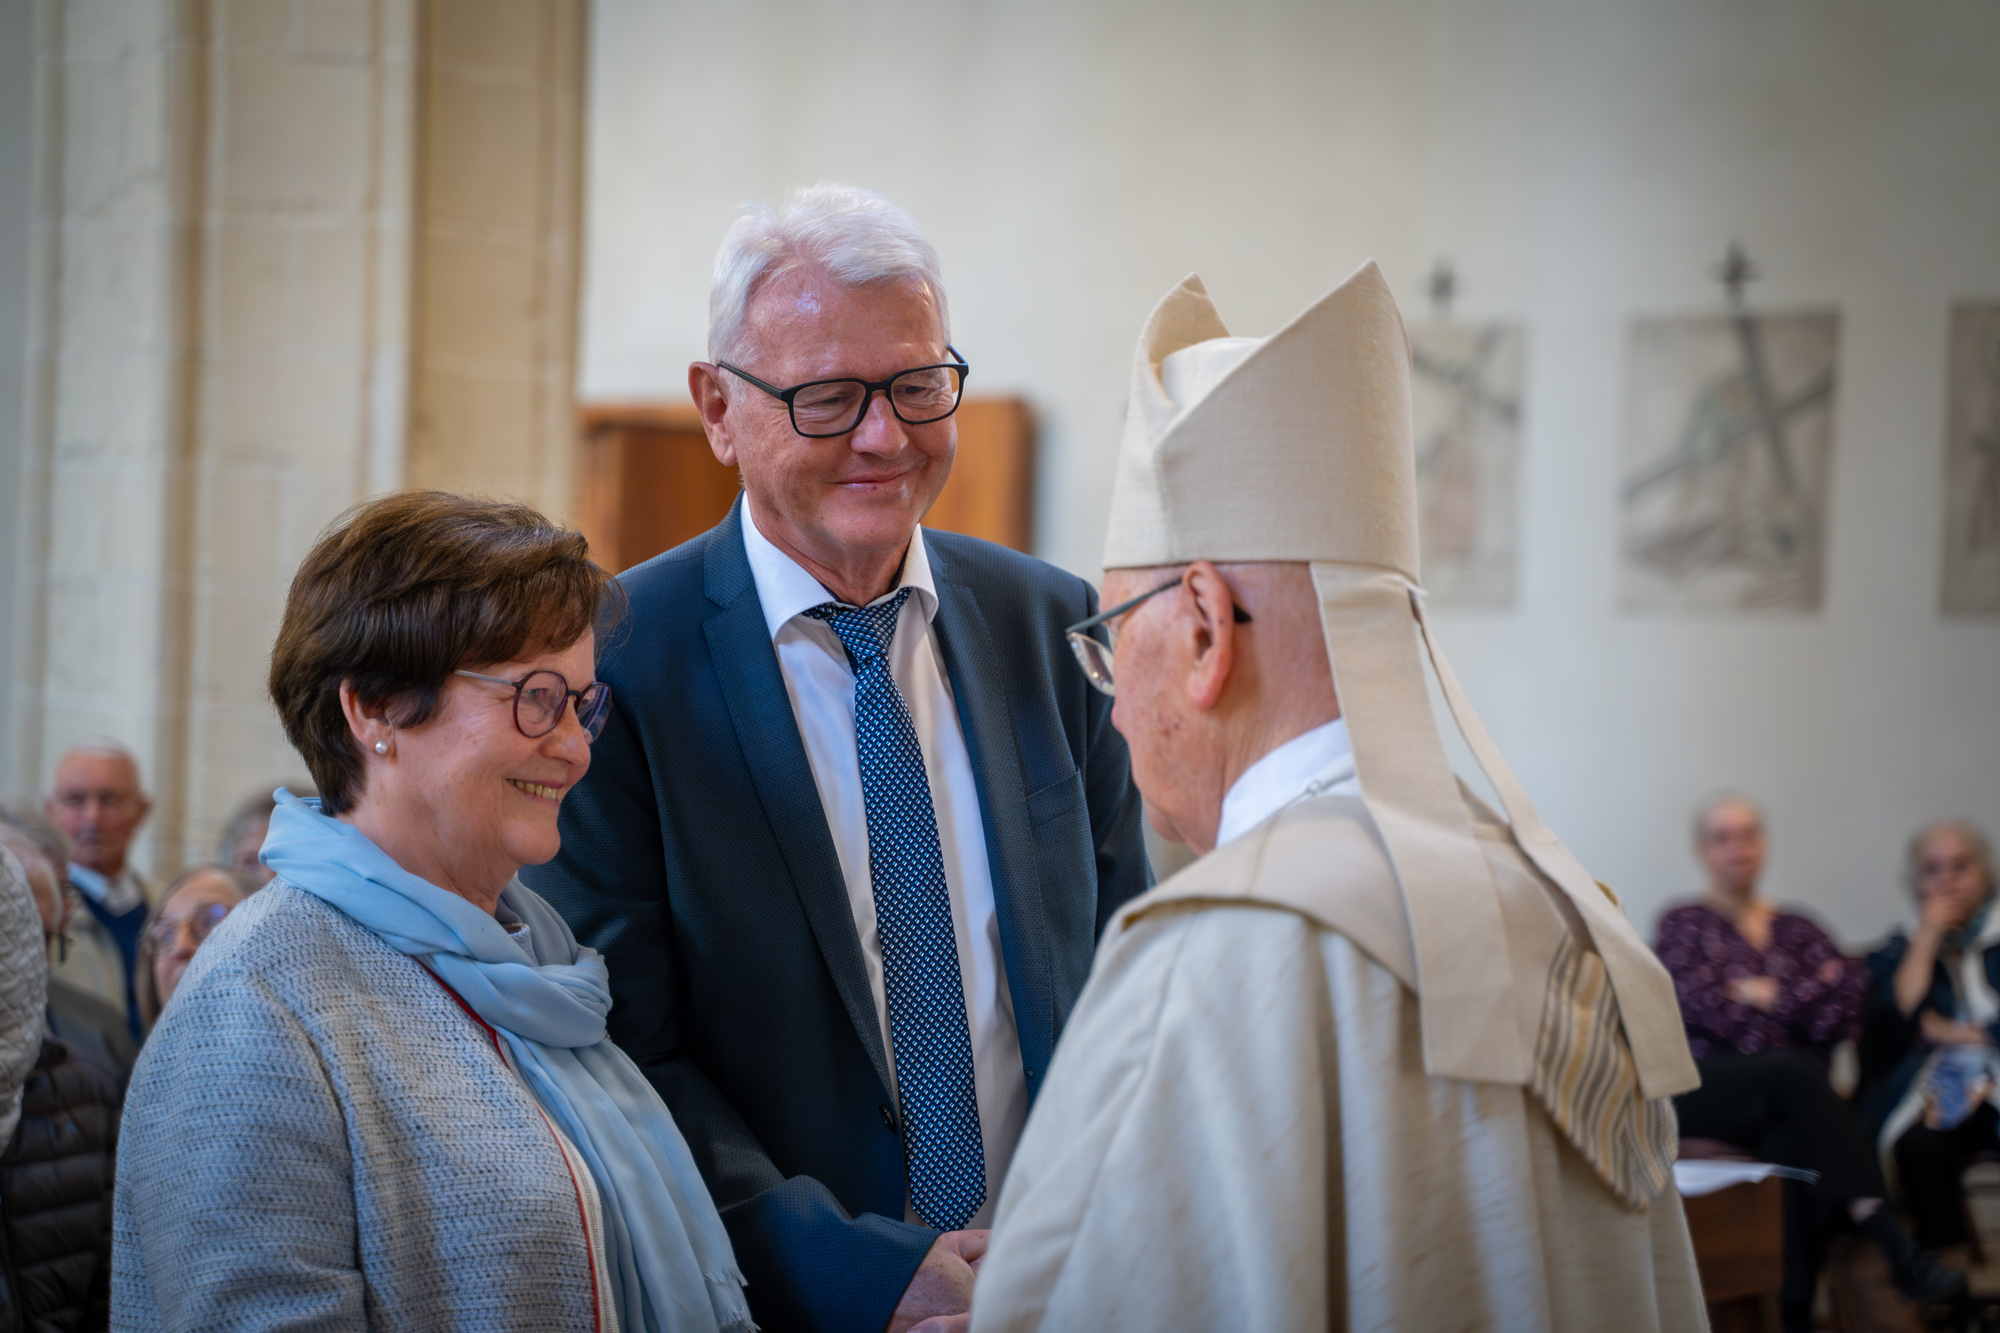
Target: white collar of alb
x,y
1317,763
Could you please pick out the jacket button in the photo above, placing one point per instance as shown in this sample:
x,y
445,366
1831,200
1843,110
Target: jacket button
x,y
888,1118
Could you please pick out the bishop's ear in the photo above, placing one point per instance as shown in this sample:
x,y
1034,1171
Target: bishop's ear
x,y
1207,599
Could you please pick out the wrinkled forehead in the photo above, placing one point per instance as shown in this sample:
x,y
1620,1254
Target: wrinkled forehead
x,y
1947,843
97,770
803,301
197,892
1730,818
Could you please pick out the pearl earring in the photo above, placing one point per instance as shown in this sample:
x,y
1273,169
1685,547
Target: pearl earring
x,y
381,747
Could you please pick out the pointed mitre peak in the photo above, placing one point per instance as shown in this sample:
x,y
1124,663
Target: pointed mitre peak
x,y
1294,447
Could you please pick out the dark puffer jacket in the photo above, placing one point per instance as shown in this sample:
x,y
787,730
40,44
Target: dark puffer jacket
x,y
55,1198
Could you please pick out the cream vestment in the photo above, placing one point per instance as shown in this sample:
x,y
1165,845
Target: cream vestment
x,y
1381,1062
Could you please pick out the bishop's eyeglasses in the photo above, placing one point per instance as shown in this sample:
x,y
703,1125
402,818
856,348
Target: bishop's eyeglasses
x,y
824,408
1094,655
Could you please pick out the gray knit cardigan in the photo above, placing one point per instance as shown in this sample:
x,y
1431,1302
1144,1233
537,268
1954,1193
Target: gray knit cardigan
x,y
318,1137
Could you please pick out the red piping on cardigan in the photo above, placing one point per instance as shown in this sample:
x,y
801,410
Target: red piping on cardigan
x,y
583,1213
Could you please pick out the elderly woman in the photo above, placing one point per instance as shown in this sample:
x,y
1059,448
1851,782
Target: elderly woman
x,y
1766,995
382,1097
1930,1031
189,911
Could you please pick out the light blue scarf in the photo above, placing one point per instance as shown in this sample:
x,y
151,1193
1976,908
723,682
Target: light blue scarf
x,y
673,1268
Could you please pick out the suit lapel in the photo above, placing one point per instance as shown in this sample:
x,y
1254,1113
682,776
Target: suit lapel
x,y
980,693
746,665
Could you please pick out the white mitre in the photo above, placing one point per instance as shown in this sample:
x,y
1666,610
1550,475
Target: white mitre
x,y
1298,448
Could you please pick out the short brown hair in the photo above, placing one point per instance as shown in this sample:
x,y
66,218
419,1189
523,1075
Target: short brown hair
x,y
400,592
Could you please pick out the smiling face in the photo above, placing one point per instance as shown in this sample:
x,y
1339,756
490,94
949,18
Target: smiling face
x,y
854,496
465,800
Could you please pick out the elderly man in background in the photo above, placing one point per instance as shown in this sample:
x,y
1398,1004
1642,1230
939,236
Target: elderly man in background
x,y
1378,1060
92,1029
855,822
99,804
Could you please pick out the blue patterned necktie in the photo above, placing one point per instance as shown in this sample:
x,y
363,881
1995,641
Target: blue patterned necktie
x,y
920,976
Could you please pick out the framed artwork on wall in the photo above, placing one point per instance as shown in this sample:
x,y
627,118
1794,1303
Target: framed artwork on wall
x,y
1467,386
1727,457
1972,463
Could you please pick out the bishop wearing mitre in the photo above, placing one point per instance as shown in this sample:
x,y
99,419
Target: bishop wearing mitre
x,y
1383,1057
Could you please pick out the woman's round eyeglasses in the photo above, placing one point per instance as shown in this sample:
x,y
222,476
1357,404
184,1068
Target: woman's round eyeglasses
x,y
541,696
200,924
1094,655
824,408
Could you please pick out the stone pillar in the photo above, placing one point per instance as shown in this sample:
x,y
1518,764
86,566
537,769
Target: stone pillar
x,y
500,204
243,280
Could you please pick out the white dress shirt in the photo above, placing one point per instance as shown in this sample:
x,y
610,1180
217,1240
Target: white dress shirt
x,y
1318,763
820,684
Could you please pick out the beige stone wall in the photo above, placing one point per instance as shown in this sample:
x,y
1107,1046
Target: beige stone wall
x,y
255,283
500,201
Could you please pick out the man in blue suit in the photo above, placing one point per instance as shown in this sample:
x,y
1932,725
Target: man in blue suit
x,y
856,821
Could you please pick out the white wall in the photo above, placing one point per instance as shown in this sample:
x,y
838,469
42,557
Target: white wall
x,y
1581,161
17,136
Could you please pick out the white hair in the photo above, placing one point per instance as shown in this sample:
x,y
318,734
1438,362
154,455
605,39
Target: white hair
x,y
103,745
857,238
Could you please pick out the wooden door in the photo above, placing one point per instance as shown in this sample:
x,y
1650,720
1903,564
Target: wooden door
x,y
648,481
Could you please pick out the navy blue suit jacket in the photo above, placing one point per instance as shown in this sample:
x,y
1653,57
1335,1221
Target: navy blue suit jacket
x,y
696,856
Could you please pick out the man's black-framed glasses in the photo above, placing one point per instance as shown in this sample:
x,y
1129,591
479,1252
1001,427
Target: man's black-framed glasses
x,y
1094,655
541,696
822,408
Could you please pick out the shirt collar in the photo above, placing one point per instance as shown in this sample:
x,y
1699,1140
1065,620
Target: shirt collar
x,y
93,885
116,896
1314,764
786,590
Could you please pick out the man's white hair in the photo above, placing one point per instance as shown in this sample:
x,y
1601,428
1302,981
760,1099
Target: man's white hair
x,y
103,745
857,238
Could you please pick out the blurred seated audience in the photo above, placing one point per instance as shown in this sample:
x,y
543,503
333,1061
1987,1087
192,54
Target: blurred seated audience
x,y
1930,1029
98,802
58,1127
192,906
1766,995
92,1029
243,836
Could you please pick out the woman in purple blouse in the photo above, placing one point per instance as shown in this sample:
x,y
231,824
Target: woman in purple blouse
x,y
1766,996
1752,978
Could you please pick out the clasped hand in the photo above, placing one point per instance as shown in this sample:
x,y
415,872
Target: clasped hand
x,y
1761,993
939,1297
